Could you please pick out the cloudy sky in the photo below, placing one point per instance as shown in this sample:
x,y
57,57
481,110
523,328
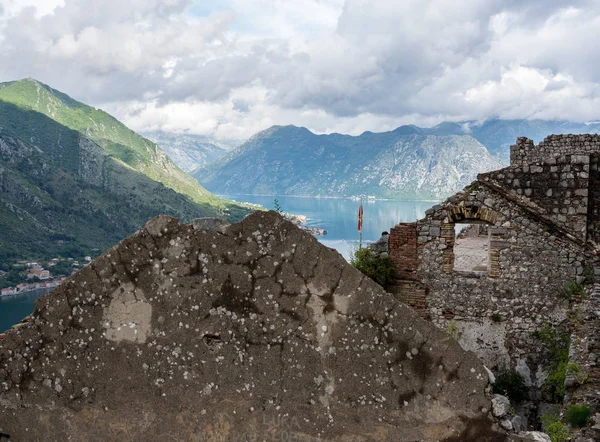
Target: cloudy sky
x,y
229,68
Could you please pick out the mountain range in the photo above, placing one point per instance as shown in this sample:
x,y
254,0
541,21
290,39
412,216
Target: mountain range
x,y
408,162
497,135
190,151
73,178
404,163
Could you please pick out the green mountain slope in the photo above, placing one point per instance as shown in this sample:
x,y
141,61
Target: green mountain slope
x,y
112,136
63,194
405,163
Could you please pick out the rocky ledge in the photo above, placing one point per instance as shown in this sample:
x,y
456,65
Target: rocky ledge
x,y
243,332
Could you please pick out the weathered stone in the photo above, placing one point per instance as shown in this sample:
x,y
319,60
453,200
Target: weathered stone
x,y
217,224
518,424
536,436
187,340
540,376
524,371
507,287
491,376
500,405
381,245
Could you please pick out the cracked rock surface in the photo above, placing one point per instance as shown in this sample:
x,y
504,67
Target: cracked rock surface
x,y
253,331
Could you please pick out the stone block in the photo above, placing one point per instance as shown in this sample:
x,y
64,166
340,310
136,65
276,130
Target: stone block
x,y
524,371
500,405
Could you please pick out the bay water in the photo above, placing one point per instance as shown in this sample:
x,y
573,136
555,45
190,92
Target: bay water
x,y
15,307
339,217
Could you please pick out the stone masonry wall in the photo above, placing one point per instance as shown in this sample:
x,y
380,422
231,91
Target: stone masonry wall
x,y
558,188
525,152
530,265
594,201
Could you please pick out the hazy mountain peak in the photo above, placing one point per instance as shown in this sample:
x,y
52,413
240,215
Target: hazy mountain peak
x,y
405,163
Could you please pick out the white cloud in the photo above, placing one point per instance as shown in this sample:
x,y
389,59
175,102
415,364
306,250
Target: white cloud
x,y
42,7
233,67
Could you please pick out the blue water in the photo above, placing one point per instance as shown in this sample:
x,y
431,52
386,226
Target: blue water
x,y
340,216
15,308
337,216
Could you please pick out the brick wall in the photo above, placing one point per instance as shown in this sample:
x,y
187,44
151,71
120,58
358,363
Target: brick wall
x,y
403,251
404,254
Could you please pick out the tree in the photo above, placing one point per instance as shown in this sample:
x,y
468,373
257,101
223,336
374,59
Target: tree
x,y
278,208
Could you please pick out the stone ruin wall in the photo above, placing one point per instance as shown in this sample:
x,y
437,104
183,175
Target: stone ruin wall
x,y
518,285
526,152
557,189
594,201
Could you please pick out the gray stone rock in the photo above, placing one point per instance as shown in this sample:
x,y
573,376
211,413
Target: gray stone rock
x,y
519,423
536,436
217,224
506,424
500,405
381,245
540,376
524,371
258,332
596,421
491,376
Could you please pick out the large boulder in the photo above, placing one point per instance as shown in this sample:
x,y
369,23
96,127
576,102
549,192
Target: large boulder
x,y
254,331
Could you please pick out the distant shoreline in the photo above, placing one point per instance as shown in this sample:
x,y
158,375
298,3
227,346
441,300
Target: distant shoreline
x,y
10,292
353,198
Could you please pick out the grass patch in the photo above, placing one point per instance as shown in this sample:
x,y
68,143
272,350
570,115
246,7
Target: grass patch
x,y
578,416
557,343
552,426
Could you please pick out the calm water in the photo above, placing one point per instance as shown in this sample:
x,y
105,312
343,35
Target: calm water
x,y
337,216
15,308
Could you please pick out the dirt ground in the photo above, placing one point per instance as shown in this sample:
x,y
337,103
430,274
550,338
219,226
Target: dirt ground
x,y
471,253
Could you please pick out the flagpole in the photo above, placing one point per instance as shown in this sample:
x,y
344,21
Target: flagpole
x,y
360,223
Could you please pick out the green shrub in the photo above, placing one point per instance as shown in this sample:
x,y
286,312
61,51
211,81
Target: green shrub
x,y
590,276
512,385
379,268
578,416
496,317
573,291
557,431
557,343
556,381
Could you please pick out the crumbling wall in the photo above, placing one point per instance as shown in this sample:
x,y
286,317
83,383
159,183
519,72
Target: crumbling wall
x,y
558,189
530,263
593,221
253,331
524,151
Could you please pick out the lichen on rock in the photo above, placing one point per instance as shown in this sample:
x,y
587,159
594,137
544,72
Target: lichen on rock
x,y
252,331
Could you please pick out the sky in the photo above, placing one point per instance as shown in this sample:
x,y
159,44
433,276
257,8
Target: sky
x,y
230,68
